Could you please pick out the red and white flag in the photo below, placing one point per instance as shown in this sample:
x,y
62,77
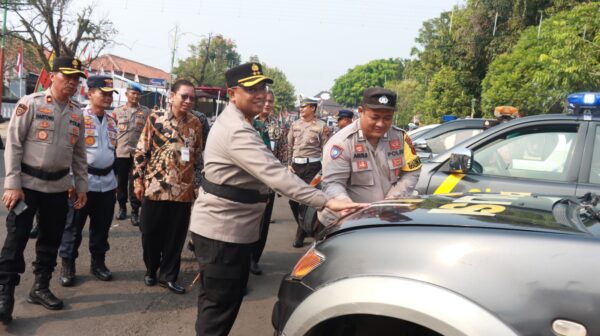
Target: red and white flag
x,y
20,61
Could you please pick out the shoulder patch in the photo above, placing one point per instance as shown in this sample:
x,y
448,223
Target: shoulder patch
x,y
21,109
336,151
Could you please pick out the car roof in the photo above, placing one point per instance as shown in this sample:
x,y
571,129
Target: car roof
x,y
452,125
494,211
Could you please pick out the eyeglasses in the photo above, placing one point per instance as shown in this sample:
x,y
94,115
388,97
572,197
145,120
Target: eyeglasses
x,y
255,89
185,97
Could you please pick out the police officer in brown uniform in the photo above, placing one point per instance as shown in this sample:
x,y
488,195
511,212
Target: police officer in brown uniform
x,y
370,160
306,139
44,141
239,170
131,119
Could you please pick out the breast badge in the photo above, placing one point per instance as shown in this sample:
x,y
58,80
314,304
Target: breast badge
x,y
42,135
90,141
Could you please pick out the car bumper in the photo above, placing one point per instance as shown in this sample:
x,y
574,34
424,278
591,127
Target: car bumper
x,y
291,294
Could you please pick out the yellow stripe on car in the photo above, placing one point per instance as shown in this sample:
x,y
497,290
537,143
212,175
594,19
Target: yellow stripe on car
x,y
449,183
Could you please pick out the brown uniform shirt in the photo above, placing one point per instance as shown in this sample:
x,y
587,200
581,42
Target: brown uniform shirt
x,y
130,123
236,155
306,139
49,137
353,168
159,161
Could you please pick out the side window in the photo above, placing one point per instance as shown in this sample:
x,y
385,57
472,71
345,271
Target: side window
x,y
595,169
448,140
542,153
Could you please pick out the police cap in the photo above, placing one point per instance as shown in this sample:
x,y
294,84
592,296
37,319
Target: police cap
x,y
135,87
379,98
104,83
309,101
68,66
345,114
246,75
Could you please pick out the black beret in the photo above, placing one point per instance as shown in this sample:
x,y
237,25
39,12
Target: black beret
x,y
379,98
345,114
247,75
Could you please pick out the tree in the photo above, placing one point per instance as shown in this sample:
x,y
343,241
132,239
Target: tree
x,y
539,73
348,88
283,90
444,96
222,55
49,26
408,92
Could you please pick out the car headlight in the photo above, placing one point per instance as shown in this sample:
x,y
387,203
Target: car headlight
x,y
309,261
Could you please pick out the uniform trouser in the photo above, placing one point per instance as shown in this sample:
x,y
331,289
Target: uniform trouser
x,y
224,270
125,184
100,208
306,172
259,246
53,212
164,226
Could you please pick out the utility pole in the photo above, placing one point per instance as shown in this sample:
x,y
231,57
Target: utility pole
x,y
203,71
173,51
5,2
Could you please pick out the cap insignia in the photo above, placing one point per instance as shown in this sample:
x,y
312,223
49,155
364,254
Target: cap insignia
x,y
383,100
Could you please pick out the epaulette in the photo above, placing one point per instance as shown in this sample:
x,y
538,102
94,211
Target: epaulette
x,y
74,103
38,94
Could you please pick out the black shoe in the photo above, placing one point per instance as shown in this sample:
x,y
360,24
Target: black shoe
x,y
122,213
135,219
41,294
34,232
190,245
150,279
99,270
172,286
7,303
298,243
67,273
254,268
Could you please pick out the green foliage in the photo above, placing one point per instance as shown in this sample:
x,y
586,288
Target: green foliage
x,y
539,73
445,95
222,55
408,92
284,91
348,89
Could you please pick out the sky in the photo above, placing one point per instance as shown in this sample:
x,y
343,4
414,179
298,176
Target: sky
x,y
313,42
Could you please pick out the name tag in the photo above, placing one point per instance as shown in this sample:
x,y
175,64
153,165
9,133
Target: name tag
x,y
185,154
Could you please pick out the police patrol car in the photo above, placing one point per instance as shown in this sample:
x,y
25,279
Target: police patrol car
x,y
551,154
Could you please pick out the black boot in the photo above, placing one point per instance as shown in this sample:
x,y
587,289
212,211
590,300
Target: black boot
x,y
100,270
7,303
135,218
67,273
122,213
34,231
300,235
40,293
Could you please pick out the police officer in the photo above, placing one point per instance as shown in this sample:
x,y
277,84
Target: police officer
x,y
44,141
239,170
100,142
344,118
370,159
306,139
131,119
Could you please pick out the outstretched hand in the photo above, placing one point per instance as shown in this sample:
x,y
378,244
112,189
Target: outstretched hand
x,y
344,205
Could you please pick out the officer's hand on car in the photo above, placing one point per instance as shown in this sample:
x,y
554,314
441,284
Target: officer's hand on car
x,y
81,200
11,197
291,169
344,205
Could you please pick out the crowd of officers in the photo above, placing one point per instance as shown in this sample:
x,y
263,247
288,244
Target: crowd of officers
x,y
221,185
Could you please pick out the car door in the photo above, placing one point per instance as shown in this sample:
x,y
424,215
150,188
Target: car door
x,y
532,157
589,174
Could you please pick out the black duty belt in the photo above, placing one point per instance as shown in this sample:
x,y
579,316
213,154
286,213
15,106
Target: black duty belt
x,y
43,175
232,193
100,171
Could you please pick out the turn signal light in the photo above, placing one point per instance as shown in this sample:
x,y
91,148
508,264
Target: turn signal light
x,y
309,261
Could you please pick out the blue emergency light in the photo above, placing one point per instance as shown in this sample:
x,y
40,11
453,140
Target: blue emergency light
x,y
584,103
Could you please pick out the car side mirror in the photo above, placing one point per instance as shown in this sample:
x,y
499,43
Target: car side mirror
x,y
461,160
421,144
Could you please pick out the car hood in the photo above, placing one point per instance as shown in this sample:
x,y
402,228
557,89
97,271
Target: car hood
x,y
495,211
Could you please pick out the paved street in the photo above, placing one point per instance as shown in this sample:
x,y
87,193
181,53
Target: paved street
x,y
126,306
